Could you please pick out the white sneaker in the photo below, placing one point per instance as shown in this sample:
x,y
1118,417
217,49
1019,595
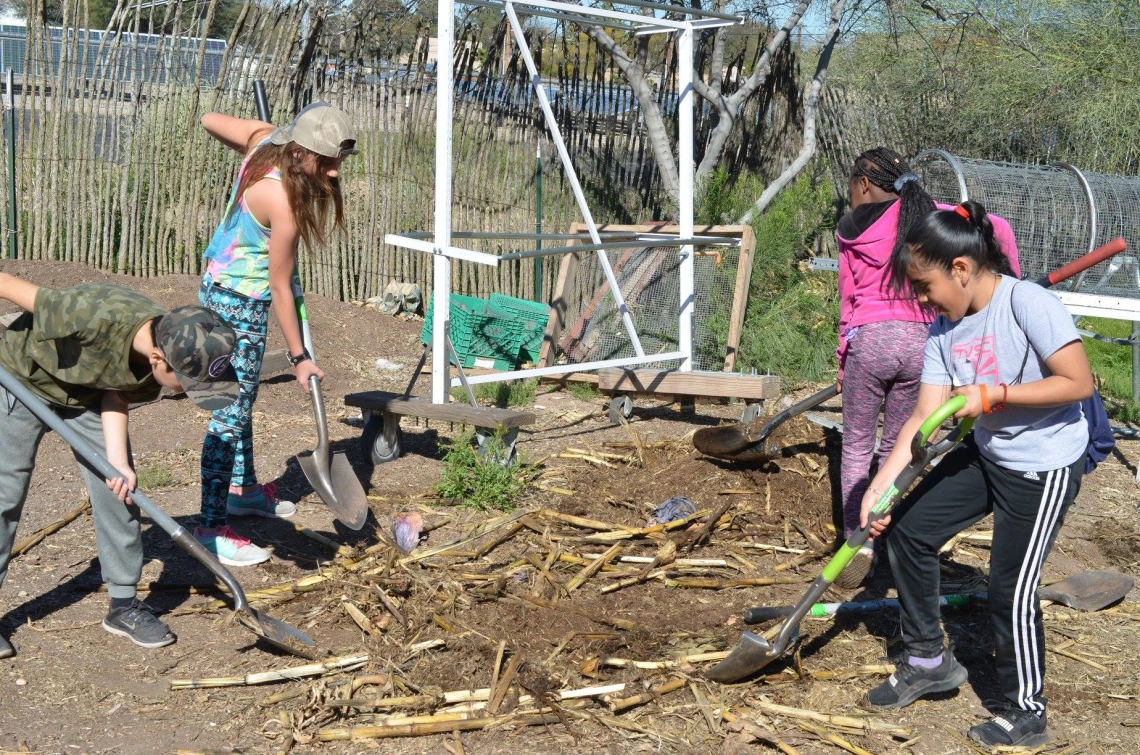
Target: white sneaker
x,y
231,548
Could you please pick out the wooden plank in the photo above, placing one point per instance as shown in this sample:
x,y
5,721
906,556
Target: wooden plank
x,y
397,403
676,383
558,303
740,296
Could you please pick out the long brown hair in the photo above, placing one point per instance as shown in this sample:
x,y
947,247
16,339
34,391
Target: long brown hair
x,y
311,198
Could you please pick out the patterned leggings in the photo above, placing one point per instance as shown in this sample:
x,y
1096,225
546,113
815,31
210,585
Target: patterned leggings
x,y
227,452
883,366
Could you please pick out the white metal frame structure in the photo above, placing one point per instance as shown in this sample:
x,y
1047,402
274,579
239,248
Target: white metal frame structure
x,y
443,250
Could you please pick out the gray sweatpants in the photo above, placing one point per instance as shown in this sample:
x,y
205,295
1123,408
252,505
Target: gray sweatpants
x,y
118,534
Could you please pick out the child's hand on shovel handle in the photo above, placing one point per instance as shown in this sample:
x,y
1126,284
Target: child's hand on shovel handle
x,y
306,370
122,486
870,498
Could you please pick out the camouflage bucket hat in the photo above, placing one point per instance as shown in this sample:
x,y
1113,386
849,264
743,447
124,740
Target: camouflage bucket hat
x,y
198,344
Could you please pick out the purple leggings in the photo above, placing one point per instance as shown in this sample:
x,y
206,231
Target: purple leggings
x,y
884,365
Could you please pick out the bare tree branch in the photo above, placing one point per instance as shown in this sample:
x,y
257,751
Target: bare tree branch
x,y
811,106
728,108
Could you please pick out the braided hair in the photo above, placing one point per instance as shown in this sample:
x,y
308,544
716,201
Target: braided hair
x,y
890,171
938,238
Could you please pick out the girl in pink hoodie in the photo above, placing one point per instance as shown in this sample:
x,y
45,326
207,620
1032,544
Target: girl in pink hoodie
x,y
882,330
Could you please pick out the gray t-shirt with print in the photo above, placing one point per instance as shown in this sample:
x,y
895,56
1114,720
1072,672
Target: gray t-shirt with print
x,y
988,348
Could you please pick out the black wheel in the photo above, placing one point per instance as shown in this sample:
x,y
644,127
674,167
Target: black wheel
x,y
620,407
378,445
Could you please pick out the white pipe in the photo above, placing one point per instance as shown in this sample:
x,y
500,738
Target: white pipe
x,y
441,268
571,174
633,18
685,169
456,252
560,369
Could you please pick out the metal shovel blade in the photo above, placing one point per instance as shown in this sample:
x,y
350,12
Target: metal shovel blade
x,y
745,441
277,632
333,478
1088,591
752,654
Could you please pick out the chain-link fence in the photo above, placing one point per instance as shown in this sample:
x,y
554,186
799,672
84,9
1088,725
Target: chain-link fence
x,y
1057,212
649,279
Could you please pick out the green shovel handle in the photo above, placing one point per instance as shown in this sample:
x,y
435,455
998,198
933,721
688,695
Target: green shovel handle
x,y
922,452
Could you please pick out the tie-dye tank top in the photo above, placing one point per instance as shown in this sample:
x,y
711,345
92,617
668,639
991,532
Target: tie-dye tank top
x,y
238,253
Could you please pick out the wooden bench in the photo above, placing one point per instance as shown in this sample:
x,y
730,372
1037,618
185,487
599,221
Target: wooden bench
x,y
381,409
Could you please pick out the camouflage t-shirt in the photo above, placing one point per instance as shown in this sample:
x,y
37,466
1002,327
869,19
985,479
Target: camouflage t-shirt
x,y
76,345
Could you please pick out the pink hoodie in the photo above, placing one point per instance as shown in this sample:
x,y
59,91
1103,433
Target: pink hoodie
x,y
864,265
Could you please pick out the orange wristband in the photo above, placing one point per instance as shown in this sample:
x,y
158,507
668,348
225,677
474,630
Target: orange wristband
x,y
985,399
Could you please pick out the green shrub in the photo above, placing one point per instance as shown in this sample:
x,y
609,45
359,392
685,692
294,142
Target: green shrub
x,y
502,395
479,481
792,317
587,392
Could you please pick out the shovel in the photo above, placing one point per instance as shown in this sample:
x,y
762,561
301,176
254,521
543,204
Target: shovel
x,y
756,651
745,441
272,630
330,474
1088,591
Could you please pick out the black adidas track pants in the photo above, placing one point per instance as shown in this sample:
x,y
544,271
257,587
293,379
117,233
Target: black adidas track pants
x,y
1028,509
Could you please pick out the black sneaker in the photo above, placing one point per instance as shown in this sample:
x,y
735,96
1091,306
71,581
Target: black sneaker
x,y
138,623
1014,727
909,683
6,649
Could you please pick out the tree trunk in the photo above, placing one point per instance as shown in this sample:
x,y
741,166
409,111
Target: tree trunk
x,y
728,108
811,105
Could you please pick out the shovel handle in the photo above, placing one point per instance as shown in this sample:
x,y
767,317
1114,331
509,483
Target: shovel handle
x,y
1082,263
322,452
96,459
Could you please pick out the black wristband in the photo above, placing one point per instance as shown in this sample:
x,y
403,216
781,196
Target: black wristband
x,y
296,360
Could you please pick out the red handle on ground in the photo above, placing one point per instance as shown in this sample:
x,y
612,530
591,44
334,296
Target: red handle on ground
x,y
1114,247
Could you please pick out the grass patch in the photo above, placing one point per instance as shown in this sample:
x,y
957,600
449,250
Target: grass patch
x,y
151,477
587,392
1113,365
480,482
502,395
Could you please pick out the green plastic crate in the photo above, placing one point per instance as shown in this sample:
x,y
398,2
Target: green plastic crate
x,y
480,333
533,317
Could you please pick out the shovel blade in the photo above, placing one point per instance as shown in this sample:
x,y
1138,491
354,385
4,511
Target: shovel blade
x,y
725,441
351,507
278,633
752,654
338,486
1088,591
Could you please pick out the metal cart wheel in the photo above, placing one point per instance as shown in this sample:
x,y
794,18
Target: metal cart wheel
x,y
621,407
751,412
507,455
382,440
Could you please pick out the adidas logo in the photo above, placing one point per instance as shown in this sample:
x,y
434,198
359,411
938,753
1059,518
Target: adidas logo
x,y
1032,476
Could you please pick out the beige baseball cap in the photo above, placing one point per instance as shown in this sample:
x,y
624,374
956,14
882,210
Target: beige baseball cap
x,y
320,128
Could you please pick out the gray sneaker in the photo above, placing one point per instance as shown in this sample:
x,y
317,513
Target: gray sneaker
x,y
6,649
909,683
138,623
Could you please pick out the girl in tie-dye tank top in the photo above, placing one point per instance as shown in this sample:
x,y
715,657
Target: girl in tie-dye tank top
x,y
286,191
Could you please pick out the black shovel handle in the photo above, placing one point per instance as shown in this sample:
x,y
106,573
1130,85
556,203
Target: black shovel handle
x,y
795,410
92,456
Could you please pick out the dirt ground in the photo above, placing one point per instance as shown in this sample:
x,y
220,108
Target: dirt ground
x,y
73,688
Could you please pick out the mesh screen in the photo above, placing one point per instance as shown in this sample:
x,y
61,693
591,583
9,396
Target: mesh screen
x,y
649,279
1049,212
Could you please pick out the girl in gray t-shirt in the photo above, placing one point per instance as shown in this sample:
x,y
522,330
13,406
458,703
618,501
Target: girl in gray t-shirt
x,y
1011,349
